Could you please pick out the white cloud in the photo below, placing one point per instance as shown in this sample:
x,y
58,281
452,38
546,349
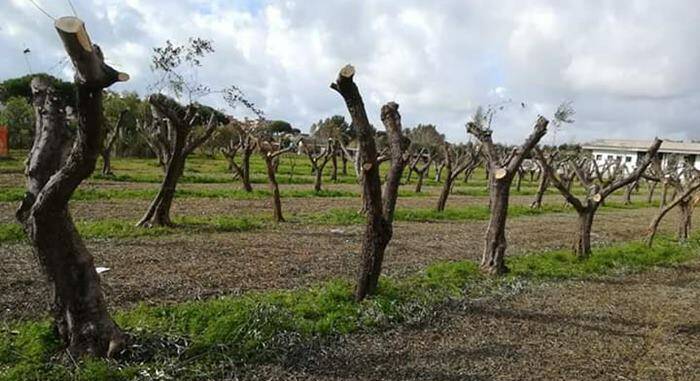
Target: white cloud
x,y
628,66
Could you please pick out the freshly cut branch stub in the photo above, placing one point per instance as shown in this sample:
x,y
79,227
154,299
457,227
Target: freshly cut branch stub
x,y
500,173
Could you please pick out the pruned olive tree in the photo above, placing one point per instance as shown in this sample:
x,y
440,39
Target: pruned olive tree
x,y
175,124
318,157
380,209
110,140
341,133
543,183
686,182
421,165
174,130
272,146
502,170
80,314
243,141
566,174
599,185
457,160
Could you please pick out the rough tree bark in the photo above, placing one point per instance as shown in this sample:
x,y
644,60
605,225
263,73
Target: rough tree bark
x,y
106,151
334,163
179,122
79,310
599,188
502,171
380,209
454,165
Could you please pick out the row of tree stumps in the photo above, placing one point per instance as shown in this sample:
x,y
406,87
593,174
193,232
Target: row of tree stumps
x,y
502,167
54,172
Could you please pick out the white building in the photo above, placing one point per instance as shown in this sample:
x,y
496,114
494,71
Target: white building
x,y
632,151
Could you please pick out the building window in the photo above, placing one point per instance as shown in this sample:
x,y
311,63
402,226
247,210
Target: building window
x,y
609,157
628,159
599,157
618,158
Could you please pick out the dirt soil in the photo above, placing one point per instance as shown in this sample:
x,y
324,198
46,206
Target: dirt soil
x,y
192,266
635,327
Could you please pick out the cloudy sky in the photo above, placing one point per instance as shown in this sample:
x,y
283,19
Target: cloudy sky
x,y
629,67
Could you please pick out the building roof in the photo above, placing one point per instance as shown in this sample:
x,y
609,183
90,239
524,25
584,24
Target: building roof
x,y
668,146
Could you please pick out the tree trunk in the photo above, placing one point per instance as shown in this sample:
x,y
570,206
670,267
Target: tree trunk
x,y
318,179
344,160
520,180
650,196
493,259
582,243
419,182
628,193
158,213
664,195
468,174
438,172
685,219
380,209
334,163
245,170
274,189
446,188
541,189
106,162
81,319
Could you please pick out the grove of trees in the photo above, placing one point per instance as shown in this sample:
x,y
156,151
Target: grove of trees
x,y
171,124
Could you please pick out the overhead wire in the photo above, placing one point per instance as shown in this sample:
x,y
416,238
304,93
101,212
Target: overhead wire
x,y
42,10
72,8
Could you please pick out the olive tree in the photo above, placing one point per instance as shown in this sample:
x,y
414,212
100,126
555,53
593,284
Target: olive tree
x,y
380,209
80,314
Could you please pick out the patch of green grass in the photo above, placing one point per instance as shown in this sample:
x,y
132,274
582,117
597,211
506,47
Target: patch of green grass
x,y
11,232
256,326
112,228
91,194
629,257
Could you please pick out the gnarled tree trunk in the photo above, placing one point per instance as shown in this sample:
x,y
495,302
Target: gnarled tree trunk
x,y
180,123
493,258
334,165
501,174
444,193
380,210
582,242
80,313
274,188
541,189
106,151
685,218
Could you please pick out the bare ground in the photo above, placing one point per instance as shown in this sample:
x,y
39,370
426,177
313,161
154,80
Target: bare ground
x,y
637,327
190,266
